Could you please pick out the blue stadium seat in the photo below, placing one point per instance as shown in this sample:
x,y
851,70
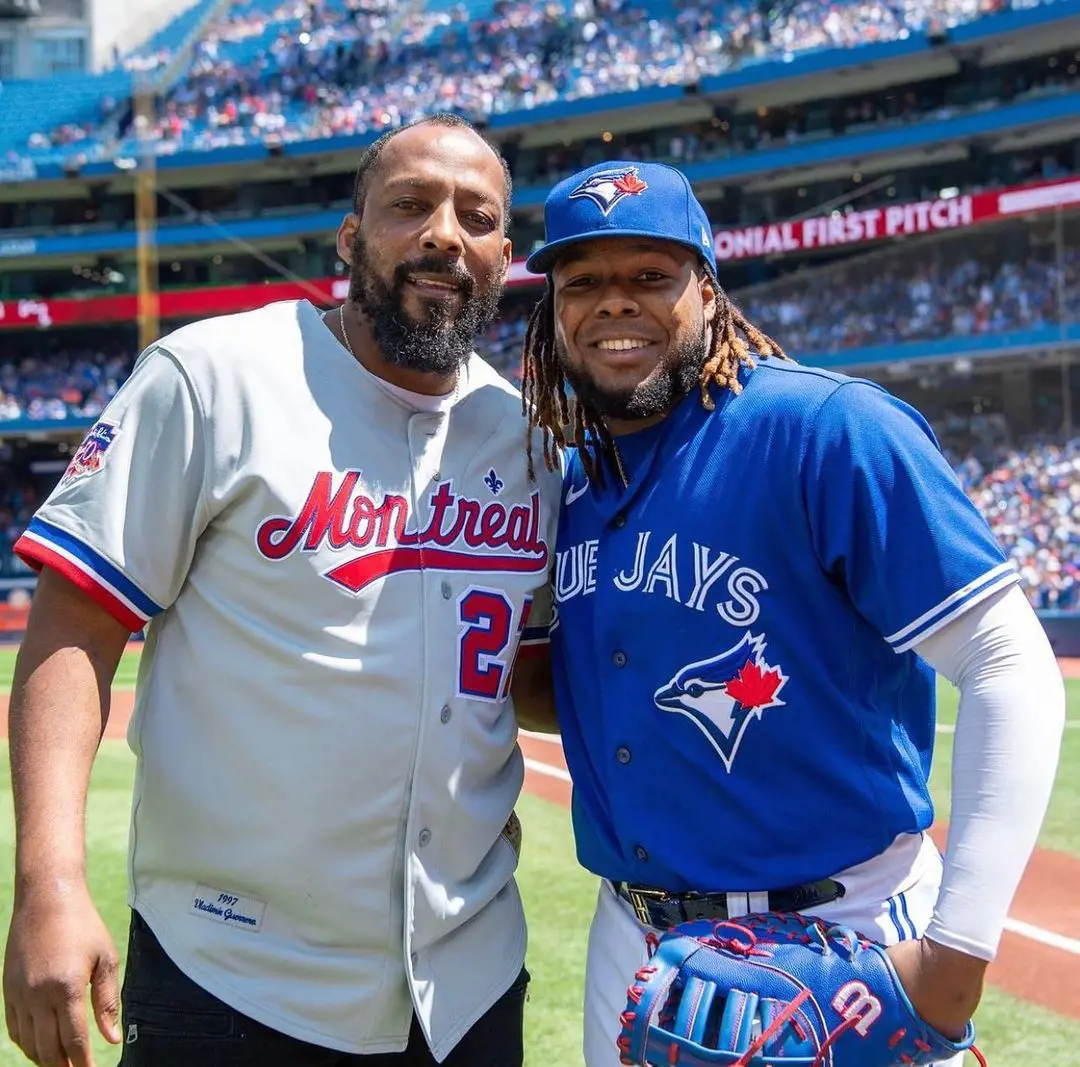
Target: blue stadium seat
x,y
173,35
41,106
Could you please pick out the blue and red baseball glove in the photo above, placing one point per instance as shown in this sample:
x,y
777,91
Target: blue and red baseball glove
x,y
775,990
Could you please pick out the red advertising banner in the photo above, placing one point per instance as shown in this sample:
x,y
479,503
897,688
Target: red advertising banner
x,y
799,235
895,220
184,303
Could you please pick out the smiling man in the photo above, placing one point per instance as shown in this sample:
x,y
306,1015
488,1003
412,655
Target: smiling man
x,y
327,521
759,566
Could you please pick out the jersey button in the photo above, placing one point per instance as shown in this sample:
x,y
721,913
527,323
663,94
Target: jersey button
x,y
424,837
446,590
619,521
622,754
641,854
444,715
619,659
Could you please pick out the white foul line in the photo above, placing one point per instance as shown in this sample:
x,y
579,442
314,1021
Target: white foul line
x,y
1044,937
544,768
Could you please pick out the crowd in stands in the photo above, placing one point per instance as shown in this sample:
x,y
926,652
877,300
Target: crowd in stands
x,y
18,501
341,67
995,282
1029,493
60,385
777,127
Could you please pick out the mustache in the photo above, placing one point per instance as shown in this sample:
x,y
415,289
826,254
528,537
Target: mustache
x,y
452,271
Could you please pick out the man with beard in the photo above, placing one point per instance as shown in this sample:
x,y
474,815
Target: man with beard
x,y
328,523
759,567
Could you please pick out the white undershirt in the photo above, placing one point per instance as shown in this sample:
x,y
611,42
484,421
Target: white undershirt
x,y
1008,736
433,405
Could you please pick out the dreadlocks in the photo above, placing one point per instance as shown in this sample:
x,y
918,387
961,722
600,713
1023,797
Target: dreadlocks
x,y
543,384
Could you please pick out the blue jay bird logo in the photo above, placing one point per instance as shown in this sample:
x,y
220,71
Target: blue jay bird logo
x,y
724,694
493,482
606,188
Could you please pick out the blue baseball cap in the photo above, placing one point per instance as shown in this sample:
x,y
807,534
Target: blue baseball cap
x,y
623,199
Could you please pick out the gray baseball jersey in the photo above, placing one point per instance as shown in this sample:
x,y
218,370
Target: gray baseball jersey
x,y
336,586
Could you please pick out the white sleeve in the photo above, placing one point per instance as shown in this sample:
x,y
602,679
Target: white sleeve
x,y
1008,736
123,520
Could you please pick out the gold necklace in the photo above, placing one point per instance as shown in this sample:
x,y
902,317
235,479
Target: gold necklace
x,y
348,345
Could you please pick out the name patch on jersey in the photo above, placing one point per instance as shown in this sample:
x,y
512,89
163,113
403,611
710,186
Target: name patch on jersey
x,y
462,534
230,909
91,454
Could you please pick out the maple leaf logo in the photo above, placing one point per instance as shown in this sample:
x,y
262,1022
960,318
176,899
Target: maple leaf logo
x,y
606,188
630,184
753,687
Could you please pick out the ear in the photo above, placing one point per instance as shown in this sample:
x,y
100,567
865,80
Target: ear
x,y
508,257
710,298
346,235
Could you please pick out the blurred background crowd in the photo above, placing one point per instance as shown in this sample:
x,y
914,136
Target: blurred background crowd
x,y
307,69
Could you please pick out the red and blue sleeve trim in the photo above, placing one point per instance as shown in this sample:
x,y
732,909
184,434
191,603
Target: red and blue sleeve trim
x,y
45,545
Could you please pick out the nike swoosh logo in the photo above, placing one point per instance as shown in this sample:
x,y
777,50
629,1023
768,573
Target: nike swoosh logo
x,y
572,494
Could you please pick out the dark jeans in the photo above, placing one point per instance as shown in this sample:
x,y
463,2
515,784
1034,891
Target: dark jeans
x,y
179,1024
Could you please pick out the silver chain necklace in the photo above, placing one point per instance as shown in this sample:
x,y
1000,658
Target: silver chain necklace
x,y
348,345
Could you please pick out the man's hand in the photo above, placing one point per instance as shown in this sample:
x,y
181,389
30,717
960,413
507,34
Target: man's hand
x,y
943,985
57,946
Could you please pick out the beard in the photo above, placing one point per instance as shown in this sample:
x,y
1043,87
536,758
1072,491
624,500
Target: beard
x,y
440,341
657,395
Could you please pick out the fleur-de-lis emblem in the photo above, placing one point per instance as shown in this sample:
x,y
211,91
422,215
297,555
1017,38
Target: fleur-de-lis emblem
x,y
493,482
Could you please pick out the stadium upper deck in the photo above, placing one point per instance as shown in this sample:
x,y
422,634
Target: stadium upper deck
x,y
312,72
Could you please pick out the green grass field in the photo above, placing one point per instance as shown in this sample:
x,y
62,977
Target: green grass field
x,y
125,673
559,899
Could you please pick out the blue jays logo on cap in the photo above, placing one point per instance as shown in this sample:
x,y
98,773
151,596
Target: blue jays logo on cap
x,y
605,188
621,198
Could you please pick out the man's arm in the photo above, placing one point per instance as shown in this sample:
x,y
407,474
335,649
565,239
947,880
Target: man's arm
x,y
1005,753
534,695
57,943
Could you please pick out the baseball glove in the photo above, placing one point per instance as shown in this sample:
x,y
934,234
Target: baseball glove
x,y
774,990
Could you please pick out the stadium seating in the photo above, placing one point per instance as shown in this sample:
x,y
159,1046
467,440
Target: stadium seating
x,y
157,51
68,106
306,69
978,283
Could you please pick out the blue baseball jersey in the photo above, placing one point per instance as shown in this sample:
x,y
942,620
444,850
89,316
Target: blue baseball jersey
x,y
739,703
